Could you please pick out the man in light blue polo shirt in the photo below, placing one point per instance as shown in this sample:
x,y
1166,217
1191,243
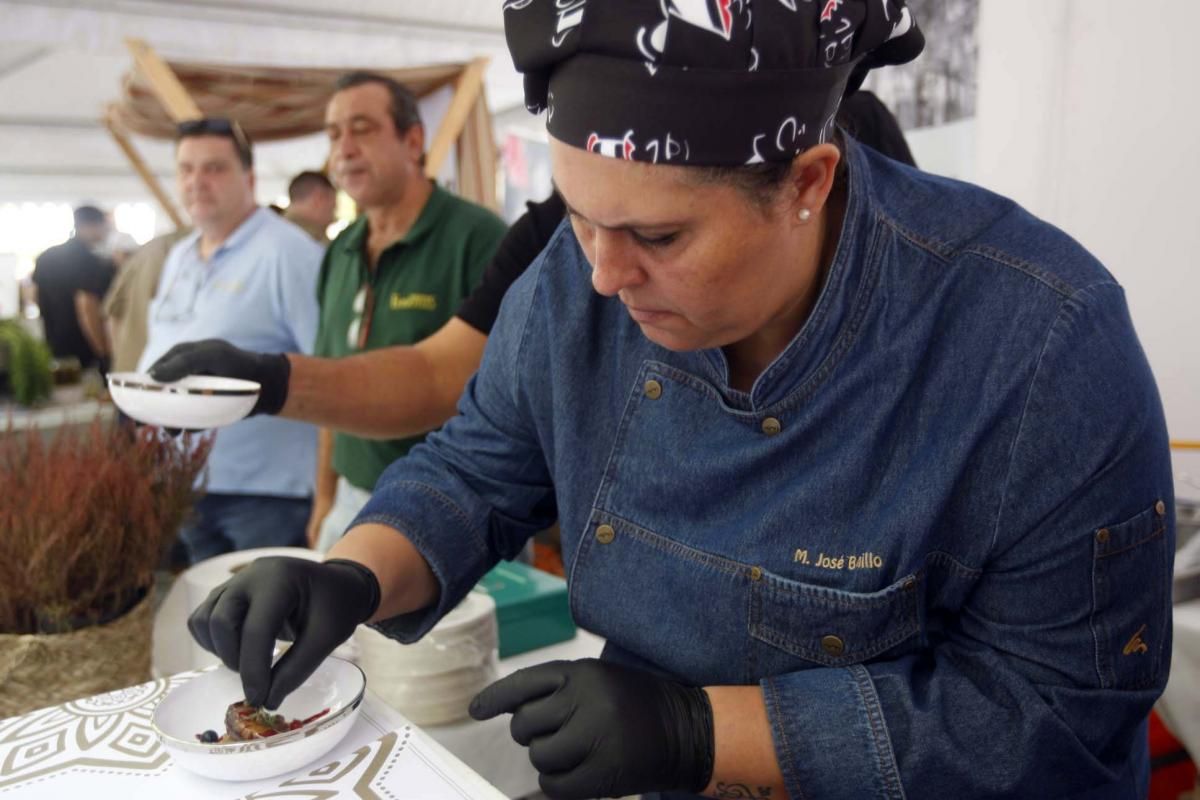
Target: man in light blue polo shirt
x,y
247,276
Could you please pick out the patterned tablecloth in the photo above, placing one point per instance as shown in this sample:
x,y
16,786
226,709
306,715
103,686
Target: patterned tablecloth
x,y
103,748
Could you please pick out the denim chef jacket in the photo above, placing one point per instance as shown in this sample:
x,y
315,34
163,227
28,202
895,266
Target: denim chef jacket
x,y
938,531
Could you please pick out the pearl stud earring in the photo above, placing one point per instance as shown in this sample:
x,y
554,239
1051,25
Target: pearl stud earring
x,y
804,214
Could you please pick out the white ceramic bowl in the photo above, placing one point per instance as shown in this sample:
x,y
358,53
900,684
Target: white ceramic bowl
x,y
195,402
199,705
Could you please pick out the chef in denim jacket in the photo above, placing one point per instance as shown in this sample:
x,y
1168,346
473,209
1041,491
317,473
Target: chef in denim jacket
x,y
861,472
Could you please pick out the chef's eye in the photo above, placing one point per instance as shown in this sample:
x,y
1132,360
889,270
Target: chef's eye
x,y
654,242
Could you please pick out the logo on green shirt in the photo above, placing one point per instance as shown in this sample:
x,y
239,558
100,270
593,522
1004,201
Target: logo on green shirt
x,y
417,301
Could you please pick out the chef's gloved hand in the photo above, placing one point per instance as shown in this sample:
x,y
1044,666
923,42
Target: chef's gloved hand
x,y
603,730
315,604
218,357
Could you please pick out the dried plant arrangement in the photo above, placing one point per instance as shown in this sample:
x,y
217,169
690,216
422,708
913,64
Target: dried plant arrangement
x,y
85,519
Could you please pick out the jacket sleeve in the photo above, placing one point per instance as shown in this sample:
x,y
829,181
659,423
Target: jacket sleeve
x,y
475,491
1039,685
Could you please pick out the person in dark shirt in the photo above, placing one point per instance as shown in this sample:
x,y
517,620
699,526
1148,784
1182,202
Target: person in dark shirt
x,y
867,119
409,389
71,281
312,204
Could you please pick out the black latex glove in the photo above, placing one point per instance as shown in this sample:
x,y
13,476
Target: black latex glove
x,y
315,604
218,357
603,730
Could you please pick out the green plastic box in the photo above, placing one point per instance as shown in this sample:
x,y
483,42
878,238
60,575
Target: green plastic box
x,y
532,609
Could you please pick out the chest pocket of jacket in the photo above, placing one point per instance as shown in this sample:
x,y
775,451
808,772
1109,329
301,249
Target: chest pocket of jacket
x,y
1131,609
835,628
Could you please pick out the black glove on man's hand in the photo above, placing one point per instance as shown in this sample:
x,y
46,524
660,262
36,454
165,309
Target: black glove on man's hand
x,y
317,605
603,730
218,357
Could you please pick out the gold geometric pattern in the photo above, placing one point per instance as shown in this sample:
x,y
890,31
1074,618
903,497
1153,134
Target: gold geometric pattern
x,y
105,733
362,772
106,743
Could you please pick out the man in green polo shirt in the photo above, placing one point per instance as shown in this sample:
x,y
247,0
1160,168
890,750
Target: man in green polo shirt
x,y
394,276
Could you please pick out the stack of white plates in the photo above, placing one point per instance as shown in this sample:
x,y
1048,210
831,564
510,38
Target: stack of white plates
x,y
432,681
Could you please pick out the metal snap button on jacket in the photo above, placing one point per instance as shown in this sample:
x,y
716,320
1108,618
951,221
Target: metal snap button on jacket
x,y
756,573
653,389
605,534
771,426
833,645
1102,535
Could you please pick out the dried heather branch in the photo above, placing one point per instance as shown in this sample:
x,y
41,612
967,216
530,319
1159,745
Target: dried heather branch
x,y
86,518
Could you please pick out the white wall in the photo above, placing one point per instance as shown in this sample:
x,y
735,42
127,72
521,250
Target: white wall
x,y
947,150
1087,115
9,302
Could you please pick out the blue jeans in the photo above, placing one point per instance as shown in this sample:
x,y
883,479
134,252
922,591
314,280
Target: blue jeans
x,y
227,522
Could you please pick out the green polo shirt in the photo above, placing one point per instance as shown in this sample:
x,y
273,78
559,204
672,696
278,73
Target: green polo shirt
x,y
418,285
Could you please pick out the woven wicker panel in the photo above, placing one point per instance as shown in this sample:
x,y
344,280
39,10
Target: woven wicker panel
x,y
41,670
271,103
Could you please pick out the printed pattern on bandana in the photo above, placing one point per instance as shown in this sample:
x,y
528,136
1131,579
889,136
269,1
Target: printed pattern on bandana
x,y
700,82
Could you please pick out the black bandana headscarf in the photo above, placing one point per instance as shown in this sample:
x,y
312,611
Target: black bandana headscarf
x,y
700,82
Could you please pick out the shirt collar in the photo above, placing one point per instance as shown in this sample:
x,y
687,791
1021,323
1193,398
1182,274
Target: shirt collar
x,y
244,231
354,237
842,300
191,242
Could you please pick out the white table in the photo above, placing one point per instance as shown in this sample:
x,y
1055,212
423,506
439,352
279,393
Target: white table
x,y
104,748
488,747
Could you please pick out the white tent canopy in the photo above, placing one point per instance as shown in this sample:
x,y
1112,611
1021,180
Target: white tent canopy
x,y
62,61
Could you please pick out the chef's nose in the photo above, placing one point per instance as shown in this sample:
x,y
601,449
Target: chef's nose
x,y
614,262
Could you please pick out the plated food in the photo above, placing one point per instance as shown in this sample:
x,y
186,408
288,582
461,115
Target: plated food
x,y
311,721
244,723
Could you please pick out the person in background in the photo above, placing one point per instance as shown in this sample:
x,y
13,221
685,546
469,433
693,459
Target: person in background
x,y
70,280
312,204
394,276
867,119
249,277
128,299
119,245
862,473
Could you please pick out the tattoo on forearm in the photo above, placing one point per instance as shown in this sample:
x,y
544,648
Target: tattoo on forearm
x,y
740,791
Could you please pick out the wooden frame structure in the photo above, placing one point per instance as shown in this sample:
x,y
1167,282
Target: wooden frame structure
x,y
157,95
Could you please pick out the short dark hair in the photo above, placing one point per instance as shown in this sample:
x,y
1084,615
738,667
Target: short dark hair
x,y
219,126
761,182
89,215
306,183
404,111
